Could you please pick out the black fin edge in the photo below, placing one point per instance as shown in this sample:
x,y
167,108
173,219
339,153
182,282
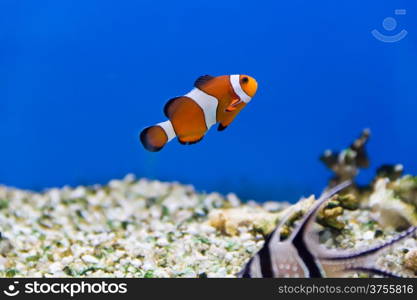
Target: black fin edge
x,y
190,143
221,127
202,80
376,248
263,260
168,104
245,272
375,271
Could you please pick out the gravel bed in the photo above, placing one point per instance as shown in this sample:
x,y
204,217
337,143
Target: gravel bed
x,y
143,228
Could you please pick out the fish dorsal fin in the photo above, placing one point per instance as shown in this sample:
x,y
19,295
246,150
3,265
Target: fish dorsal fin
x,y
202,80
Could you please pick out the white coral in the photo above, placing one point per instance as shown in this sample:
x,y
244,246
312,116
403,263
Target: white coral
x,y
389,210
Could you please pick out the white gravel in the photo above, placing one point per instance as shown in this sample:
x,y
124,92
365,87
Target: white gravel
x,y
142,228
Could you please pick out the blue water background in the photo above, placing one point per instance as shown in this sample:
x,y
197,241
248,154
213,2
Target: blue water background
x,y
80,79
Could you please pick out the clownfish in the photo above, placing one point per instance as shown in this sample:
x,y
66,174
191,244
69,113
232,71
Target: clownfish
x,y
213,100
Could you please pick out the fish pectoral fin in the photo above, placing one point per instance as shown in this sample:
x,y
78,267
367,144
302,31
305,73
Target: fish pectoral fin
x,y
232,106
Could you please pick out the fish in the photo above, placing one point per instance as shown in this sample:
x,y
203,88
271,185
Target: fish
x,y
212,100
301,255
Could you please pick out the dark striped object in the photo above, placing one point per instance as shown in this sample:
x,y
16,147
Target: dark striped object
x,y
301,255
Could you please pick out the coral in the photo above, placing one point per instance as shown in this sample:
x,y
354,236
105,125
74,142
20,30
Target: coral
x,y
391,196
406,189
329,215
392,172
346,164
230,220
390,210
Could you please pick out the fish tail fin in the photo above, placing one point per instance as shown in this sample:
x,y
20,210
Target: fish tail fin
x,y
155,137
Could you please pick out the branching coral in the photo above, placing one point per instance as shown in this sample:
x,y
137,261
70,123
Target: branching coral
x,y
346,164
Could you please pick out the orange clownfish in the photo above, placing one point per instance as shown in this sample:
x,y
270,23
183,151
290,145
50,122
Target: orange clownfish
x,y
213,100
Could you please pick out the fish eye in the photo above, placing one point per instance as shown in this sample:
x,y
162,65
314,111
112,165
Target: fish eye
x,y
245,79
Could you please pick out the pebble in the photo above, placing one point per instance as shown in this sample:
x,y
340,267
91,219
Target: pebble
x,y
410,260
90,259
